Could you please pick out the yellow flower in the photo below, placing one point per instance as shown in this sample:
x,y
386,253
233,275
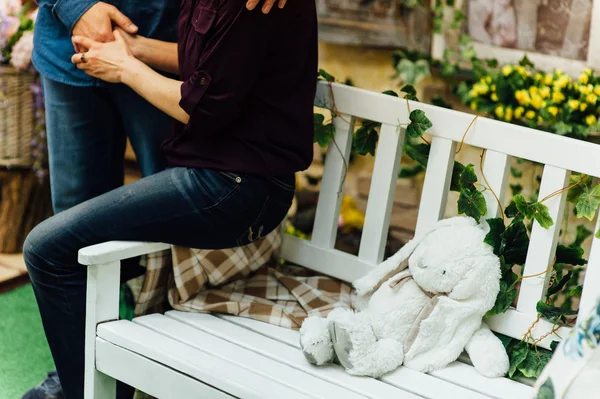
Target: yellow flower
x,y
585,90
558,72
561,82
582,106
488,79
583,79
597,90
522,96
519,112
591,98
482,88
545,92
540,119
522,71
473,93
553,110
588,71
591,120
530,114
533,90
537,102
473,105
493,87
494,97
499,111
557,96
507,70
508,115
548,79
574,104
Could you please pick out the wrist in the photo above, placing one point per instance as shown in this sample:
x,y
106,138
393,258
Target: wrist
x,y
139,48
129,68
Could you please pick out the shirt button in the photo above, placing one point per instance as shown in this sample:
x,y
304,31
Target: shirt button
x,y
238,179
203,81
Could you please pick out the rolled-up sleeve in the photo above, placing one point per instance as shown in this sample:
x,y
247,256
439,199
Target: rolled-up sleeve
x,y
70,11
227,68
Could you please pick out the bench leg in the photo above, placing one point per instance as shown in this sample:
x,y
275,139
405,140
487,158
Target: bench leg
x,y
102,304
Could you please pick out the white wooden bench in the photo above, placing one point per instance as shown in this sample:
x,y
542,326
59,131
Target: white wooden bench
x,y
184,355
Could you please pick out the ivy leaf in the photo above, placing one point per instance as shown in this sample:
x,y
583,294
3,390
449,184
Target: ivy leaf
x,y
323,133
408,172
494,237
365,140
576,292
534,210
557,286
582,234
511,210
326,75
515,243
456,172
516,172
525,62
588,202
516,189
468,178
412,72
419,123
492,62
535,362
562,128
505,298
553,313
506,340
411,92
518,354
578,189
546,390
417,152
390,93
472,203
572,255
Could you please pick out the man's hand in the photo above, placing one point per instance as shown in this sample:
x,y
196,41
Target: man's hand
x,y
97,24
251,5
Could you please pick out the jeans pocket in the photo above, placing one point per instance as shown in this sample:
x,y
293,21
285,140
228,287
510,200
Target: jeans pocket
x,y
210,187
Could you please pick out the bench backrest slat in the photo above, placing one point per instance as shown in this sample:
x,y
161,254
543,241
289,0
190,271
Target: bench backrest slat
x,y
542,244
330,197
502,141
437,183
495,169
381,194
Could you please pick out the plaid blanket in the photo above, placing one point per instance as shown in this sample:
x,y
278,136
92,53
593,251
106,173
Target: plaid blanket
x,y
248,281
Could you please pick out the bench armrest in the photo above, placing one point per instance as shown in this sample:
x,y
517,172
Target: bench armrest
x,y
113,251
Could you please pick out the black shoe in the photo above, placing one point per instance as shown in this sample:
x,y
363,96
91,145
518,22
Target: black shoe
x,y
48,389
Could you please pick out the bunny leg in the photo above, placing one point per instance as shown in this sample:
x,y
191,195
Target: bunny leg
x,y
359,351
315,341
487,353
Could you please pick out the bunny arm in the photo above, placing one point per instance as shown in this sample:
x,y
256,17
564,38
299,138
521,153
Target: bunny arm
x,y
487,353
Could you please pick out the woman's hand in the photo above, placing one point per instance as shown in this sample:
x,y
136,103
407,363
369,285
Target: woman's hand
x,y
134,42
106,61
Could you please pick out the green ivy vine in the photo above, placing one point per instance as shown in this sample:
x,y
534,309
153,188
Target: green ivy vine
x,y
508,235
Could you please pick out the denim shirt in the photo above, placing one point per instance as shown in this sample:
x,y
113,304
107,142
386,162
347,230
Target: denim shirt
x,y
56,18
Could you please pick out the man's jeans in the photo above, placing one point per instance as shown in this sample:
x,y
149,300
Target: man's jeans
x,y
188,207
87,129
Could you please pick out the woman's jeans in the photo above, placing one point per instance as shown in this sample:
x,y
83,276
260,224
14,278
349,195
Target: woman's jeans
x,y
181,206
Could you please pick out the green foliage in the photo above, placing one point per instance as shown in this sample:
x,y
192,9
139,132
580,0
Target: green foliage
x,y
365,138
471,201
412,72
323,132
553,313
530,210
411,92
516,189
546,391
526,360
440,102
419,123
324,75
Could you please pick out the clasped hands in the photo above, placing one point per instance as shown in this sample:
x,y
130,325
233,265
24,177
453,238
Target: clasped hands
x,y
105,40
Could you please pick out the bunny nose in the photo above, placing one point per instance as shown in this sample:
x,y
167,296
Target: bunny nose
x,y
421,266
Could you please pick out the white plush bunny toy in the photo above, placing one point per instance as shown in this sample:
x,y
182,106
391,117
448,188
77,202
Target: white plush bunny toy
x,y
422,316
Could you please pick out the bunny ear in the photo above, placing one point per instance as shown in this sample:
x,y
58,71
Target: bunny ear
x,y
442,336
392,265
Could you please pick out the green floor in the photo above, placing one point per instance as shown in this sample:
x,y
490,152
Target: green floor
x,y
24,354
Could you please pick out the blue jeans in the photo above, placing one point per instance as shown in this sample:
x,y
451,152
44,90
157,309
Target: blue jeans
x,y
188,207
87,129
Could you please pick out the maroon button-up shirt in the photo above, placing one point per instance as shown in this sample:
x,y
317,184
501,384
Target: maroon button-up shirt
x,y
249,83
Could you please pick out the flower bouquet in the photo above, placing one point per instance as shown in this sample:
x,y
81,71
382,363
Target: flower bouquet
x,y
22,127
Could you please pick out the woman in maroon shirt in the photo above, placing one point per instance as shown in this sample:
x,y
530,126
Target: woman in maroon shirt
x,y
244,112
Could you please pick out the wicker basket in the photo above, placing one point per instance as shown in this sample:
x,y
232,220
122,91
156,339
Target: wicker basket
x,y
16,117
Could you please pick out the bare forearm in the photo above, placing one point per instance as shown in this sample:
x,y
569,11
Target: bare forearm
x,y
158,54
160,91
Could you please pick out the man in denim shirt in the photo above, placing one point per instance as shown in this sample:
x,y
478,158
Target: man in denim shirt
x,y
87,120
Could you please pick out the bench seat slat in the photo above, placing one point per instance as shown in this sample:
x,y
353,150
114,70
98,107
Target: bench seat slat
x,y
209,369
473,381
242,357
403,378
135,370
